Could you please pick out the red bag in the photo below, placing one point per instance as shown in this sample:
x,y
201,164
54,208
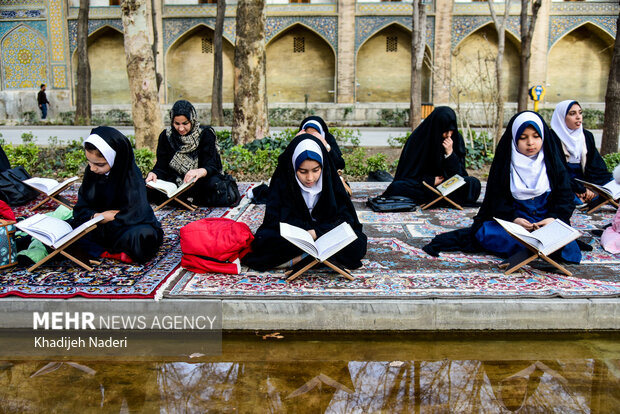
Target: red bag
x,y
6,212
215,245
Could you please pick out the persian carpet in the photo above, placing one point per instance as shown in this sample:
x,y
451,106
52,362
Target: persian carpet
x,y
396,267
61,278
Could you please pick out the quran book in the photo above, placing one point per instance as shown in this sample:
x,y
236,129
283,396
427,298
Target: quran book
x,y
450,185
325,246
49,186
611,189
51,231
546,239
168,188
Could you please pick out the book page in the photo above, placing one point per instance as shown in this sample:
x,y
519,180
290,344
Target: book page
x,y
520,232
451,184
334,240
43,184
75,232
596,188
614,189
299,237
164,186
45,228
555,235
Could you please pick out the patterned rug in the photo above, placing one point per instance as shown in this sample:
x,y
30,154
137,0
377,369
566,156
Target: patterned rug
x,y
396,267
111,279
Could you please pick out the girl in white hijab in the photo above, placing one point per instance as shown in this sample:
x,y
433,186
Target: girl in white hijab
x,y
581,158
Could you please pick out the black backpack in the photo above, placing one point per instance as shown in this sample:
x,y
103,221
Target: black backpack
x,y
225,192
390,204
13,190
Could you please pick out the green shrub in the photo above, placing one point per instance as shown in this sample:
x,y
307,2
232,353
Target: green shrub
x,y
398,141
612,160
355,162
145,159
30,118
75,161
394,117
244,163
346,136
377,162
27,137
26,155
67,118
482,151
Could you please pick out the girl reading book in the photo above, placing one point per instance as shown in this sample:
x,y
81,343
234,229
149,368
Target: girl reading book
x,y
187,151
305,191
316,126
581,157
527,185
113,187
434,152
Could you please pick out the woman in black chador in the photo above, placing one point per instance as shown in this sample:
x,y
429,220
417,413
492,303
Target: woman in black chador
x,y
113,187
187,151
434,152
305,191
527,185
316,126
4,161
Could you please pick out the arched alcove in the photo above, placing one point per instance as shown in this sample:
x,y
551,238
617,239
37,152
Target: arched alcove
x,y
189,67
24,59
473,67
108,69
383,71
300,63
578,65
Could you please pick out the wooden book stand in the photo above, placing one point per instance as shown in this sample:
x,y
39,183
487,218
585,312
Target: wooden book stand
x,y
441,196
61,250
55,196
176,198
607,200
523,257
302,267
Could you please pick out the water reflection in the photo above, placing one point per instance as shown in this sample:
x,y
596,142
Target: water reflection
x,y
335,374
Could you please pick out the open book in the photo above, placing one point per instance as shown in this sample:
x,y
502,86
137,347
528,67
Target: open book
x,y
325,246
51,231
611,189
450,185
49,186
545,240
168,188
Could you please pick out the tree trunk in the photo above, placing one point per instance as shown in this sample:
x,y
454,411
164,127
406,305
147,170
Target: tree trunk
x,y
611,127
501,41
418,42
82,91
217,112
527,31
250,120
141,72
158,76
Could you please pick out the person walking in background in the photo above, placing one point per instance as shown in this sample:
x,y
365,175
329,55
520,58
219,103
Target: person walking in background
x,y
43,102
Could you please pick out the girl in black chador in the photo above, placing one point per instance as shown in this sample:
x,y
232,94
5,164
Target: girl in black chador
x,y
187,151
581,158
113,187
316,126
305,191
527,185
434,152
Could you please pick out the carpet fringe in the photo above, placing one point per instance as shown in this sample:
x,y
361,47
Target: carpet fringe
x,y
160,292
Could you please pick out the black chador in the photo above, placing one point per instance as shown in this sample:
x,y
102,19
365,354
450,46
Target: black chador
x,y
317,123
513,191
177,154
134,231
4,161
321,208
423,159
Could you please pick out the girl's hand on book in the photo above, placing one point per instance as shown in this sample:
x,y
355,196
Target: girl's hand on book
x,y
543,223
587,196
312,233
151,177
524,223
194,174
108,215
438,180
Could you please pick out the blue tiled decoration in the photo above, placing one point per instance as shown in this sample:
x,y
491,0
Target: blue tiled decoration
x,y
93,26
325,26
368,26
24,58
463,26
561,25
38,25
177,27
22,14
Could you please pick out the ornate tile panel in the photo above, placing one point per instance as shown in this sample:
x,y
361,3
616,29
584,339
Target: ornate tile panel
x,y
581,7
560,25
22,14
56,23
175,28
326,27
59,75
463,26
22,3
97,12
93,26
368,26
24,59
384,8
38,25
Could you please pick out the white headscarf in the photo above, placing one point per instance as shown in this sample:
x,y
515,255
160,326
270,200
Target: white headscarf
x,y
104,148
573,140
528,175
316,125
310,194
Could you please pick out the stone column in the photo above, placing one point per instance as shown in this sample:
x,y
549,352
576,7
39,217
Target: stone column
x,y
346,52
540,48
443,52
